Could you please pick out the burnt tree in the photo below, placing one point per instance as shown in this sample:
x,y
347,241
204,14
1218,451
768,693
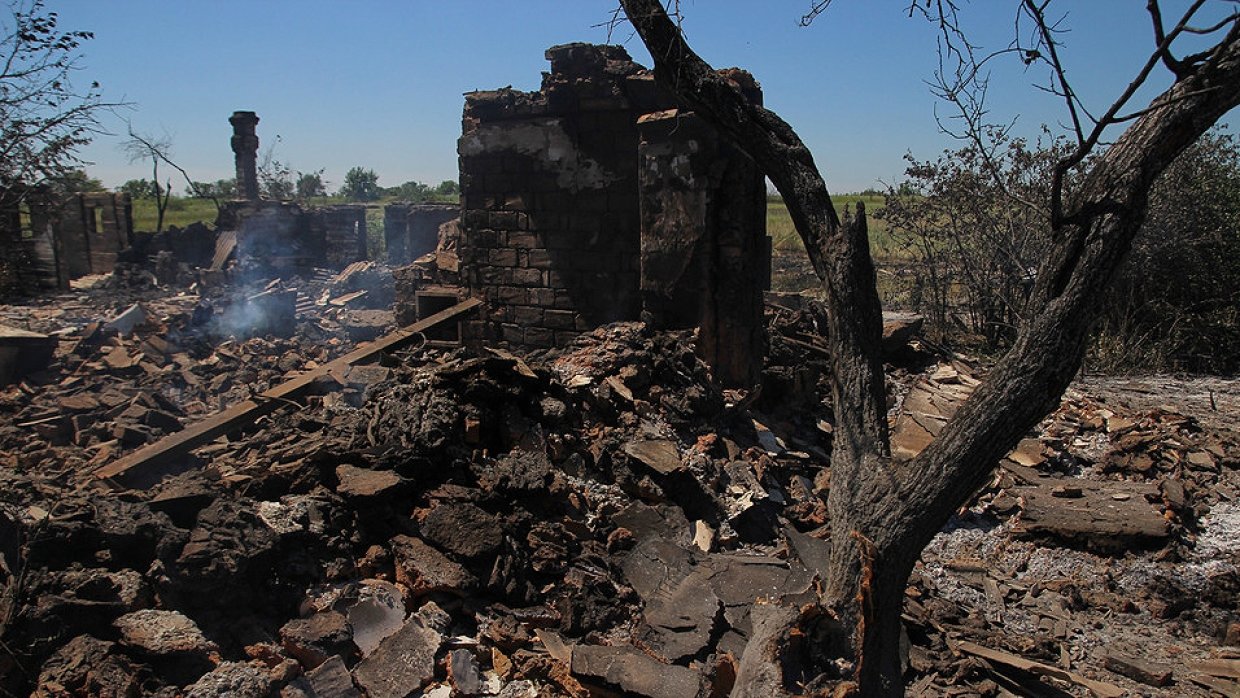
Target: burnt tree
x,y
884,511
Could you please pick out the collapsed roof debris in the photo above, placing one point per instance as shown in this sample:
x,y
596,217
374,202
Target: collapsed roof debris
x,y
596,518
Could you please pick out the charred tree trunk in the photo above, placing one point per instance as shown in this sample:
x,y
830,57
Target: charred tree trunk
x,y
884,511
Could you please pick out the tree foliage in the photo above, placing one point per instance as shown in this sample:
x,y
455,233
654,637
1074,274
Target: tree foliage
x,y
275,178
417,192
360,185
75,182
44,118
310,185
1176,304
138,188
219,189
974,224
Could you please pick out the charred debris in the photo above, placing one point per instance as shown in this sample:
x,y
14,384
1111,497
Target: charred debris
x,y
558,443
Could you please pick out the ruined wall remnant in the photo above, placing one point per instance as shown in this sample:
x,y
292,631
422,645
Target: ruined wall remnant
x,y
275,235
279,235
704,251
570,220
344,233
549,182
412,230
69,236
245,148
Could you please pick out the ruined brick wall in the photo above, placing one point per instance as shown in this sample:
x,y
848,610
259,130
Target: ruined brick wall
x,y
344,234
273,235
705,256
571,220
550,226
88,231
412,230
280,235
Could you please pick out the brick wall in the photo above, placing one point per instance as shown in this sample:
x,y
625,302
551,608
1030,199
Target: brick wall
x,y
552,224
551,227
412,230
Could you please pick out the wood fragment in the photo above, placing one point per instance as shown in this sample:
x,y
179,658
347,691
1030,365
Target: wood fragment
x,y
1223,668
1099,688
1140,670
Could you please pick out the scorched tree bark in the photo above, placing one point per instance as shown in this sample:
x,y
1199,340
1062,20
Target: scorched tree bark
x,y
884,511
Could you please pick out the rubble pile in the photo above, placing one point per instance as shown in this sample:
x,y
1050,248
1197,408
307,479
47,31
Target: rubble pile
x,y
592,520
134,360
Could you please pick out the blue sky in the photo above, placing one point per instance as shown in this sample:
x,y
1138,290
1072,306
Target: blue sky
x,y
378,83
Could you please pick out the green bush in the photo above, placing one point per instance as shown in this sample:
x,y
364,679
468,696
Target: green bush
x,y
1176,303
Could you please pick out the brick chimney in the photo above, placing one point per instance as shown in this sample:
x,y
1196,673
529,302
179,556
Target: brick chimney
x,y
245,147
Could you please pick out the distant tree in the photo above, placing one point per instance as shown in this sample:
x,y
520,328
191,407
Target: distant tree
x,y
75,182
448,189
219,189
360,185
976,233
1176,303
310,184
411,191
143,147
44,119
138,188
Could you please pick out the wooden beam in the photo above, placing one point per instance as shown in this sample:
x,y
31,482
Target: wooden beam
x,y
144,462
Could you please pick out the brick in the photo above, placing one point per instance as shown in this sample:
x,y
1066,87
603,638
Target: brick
x,y
560,319
512,295
490,276
539,337
542,297
527,277
525,241
527,316
503,220
502,257
538,259
483,238
512,333
564,300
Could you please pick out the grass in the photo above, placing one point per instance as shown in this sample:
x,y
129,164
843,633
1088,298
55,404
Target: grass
x,y
181,212
784,236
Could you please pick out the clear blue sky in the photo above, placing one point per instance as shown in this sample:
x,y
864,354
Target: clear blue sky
x,y
378,83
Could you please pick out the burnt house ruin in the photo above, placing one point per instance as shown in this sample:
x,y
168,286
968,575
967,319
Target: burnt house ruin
x,y
283,235
599,198
51,239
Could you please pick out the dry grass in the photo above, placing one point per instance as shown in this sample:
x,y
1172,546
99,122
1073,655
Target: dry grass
x,y
784,235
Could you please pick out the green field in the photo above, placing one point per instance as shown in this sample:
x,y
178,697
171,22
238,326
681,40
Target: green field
x,y
183,210
784,236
